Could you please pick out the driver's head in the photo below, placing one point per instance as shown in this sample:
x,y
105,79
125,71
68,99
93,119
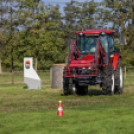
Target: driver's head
x,y
92,45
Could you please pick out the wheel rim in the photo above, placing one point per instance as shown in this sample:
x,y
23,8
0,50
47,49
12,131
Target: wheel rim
x,y
73,88
112,82
121,78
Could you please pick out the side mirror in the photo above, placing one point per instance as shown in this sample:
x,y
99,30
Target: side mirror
x,y
67,42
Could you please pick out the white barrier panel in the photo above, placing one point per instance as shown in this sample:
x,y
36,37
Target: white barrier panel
x,y
31,78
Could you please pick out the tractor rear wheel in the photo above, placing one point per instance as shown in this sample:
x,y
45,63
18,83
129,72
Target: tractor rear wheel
x,y
108,80
119,78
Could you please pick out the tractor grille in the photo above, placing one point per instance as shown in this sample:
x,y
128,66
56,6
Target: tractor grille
x,y
81,71
76,72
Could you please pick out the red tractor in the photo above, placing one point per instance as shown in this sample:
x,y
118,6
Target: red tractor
x,y
92,60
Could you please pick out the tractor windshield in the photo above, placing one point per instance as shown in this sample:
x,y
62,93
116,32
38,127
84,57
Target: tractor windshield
x,y
86,44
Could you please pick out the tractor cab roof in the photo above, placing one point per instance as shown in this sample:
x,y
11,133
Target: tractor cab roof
x,y
96,31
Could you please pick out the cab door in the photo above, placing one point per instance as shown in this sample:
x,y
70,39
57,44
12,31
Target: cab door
x,y
111,48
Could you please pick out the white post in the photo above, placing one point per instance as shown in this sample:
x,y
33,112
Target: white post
x,y
31,77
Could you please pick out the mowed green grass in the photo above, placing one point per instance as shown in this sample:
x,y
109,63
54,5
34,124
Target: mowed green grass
x,y
24,111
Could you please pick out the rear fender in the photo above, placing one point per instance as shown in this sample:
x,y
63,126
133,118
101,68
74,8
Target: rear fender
x,y
115,61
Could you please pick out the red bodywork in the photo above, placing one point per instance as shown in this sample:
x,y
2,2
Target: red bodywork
x,y
115,60
96,31
88,61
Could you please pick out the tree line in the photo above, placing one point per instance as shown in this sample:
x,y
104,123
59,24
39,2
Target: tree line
x,y
29,28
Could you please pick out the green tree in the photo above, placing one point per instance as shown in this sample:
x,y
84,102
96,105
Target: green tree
x,y
42,34
3,10
71,10
10,27
119,14
79,16
87,15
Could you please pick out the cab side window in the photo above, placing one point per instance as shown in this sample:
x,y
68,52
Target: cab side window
x,y
111,44
104,42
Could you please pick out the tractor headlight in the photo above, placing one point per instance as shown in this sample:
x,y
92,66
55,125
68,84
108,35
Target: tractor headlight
x,y
80,34
83,68
90,68
103,33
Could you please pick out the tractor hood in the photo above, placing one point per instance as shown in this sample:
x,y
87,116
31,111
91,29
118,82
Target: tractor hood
x,y
86,61
80,59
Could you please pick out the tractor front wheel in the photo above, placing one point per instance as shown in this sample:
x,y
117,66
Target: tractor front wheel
x,y
65,89
66,81
108,80
69,87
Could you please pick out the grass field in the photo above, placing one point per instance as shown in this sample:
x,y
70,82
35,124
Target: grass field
x,y
25,111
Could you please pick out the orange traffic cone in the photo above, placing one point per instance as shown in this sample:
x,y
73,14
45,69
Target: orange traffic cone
x,y
60,109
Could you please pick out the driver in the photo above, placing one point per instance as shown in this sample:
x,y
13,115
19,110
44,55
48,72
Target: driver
x,y
91,45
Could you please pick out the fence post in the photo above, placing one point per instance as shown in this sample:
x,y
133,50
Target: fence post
x,y
125,72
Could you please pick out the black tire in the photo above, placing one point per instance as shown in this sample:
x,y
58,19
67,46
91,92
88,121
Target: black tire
x,y
73,89
65,89
85,91
65,84
108,80
119,80
82,90
69,86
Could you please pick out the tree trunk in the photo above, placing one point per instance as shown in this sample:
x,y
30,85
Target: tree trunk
x,y
12,76
36,64
0,64
57,76
12,69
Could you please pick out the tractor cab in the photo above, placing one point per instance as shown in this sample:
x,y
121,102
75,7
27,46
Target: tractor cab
x,y
87,42
88,46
